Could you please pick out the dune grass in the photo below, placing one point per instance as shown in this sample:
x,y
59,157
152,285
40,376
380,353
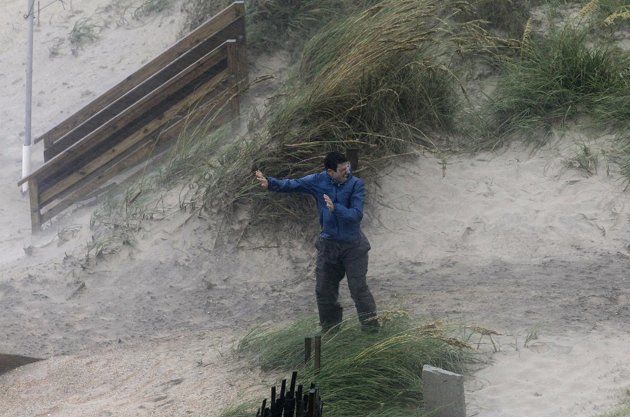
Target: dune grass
x,y
557,78
83,32
381,80
362,374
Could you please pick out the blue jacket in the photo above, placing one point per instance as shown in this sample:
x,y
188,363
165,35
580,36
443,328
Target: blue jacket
x,y
344,223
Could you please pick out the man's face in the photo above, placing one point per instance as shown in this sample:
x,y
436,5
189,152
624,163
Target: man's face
x,y
342,172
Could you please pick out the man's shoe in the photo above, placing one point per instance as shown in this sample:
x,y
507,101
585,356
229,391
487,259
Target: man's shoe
x,y
371,325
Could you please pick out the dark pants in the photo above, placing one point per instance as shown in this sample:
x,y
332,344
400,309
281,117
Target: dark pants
x,y
334,260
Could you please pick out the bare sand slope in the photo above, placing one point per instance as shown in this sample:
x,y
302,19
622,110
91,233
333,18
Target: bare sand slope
x,y
509,240
185,375
571,285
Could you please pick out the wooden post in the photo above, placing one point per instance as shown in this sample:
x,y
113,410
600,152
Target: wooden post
x,y
242,43
353,157
36,216
299,402
293,381
318,354
307,348
311,402
235,76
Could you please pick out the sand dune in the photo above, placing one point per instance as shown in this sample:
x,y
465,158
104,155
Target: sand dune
x,y
512,240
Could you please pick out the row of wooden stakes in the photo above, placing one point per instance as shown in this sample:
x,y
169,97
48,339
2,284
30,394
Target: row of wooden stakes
x,y
297,402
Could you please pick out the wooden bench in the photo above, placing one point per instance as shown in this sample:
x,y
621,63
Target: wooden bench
x,y
142,114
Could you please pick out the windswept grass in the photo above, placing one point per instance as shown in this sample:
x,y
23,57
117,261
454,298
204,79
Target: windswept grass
x,y
558,77
363,374
584,160
607,14
380,80
83,32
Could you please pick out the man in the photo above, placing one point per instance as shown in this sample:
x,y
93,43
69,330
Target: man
x,y
342,247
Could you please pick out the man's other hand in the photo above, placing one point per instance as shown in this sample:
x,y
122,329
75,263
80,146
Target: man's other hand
x,y
264,183
329,203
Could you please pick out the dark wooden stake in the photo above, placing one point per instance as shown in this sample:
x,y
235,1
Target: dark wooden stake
x,y
353,157
318,354
311,402
299,405
307,349
293,380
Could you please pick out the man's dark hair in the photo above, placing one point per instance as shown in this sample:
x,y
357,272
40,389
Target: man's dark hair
x,y
333,159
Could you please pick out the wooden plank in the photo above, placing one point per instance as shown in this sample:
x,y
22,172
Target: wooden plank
x,y
33,190
153,126
213,59
105,173
214,89
233,12
165,136
151,100
119,105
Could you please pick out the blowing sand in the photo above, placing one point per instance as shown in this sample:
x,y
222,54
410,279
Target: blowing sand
x,y
512,241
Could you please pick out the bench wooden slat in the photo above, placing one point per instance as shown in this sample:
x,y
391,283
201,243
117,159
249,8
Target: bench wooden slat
x,y
137,154
225,17
92,165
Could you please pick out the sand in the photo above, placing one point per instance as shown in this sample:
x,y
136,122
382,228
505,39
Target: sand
x,y
511,240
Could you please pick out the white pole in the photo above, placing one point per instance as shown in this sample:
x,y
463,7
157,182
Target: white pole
x,y
26,149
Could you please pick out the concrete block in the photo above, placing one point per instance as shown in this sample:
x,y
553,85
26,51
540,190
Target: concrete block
x,y
443,392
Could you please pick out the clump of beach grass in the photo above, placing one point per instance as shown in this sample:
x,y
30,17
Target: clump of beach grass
x,y
83,32
584,160
363,373
557,78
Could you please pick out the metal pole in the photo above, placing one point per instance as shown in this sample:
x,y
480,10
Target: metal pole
x,y
26,149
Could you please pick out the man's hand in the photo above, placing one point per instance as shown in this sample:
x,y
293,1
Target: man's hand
x,y
329,203
264,183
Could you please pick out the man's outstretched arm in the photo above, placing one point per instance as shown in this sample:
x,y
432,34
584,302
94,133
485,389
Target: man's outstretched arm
x,y
300,185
